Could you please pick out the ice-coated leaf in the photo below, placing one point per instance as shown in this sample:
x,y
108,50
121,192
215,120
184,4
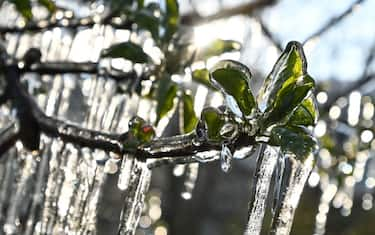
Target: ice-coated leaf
x,y
306,114
50,5
126,50
289,96
218,47
202,76
24,8
294,139
233,79
145,19
217,127
190,119
140,130
171,19
213,121
165,94
291,65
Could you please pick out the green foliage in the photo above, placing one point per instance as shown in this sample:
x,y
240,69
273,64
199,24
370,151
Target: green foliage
x,y
165,95
24,8
294,139
202,76
171,19
306,114
233,79
190,119
48,4
213,121
139,133
127,50
145,19
218,47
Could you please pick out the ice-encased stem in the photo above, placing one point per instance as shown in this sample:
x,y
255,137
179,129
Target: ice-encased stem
x,y
266,161
125,171
295,175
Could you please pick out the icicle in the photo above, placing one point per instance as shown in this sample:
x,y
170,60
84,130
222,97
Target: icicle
x,y
278,181
267,158
190,179
125,172
226,158
135,197
295,179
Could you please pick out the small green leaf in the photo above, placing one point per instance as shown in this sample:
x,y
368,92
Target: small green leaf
x,y
294,139
146,20
171,19
127,50
141,130
190,119
50,5
140,3
218,47
233,79
306,114
290,95
166,93
202,76
213,121
291,65
24,8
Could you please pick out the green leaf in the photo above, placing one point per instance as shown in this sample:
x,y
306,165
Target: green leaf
x,y
140,3
213,121
290,95
202,76
166,93
233,79
218,47
294,139
216,126
24,8
146,20
50,5
171,20
190,119
306,114
291,65
126,50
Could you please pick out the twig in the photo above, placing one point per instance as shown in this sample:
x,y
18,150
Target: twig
x,y
33,120
365,78
8,136
245,9
53,68
335,20
269,35
73,23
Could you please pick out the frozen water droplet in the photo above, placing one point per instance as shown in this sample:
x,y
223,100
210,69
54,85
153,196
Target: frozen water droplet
x,y
186,195
229,130
110,167
226,158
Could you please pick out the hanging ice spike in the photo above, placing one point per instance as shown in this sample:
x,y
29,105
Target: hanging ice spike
x,y
226,158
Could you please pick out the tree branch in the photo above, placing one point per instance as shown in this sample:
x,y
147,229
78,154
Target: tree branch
x,y
245,9
61,67
335,20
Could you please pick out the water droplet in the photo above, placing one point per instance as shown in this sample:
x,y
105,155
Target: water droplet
x,y
226,158
229,131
